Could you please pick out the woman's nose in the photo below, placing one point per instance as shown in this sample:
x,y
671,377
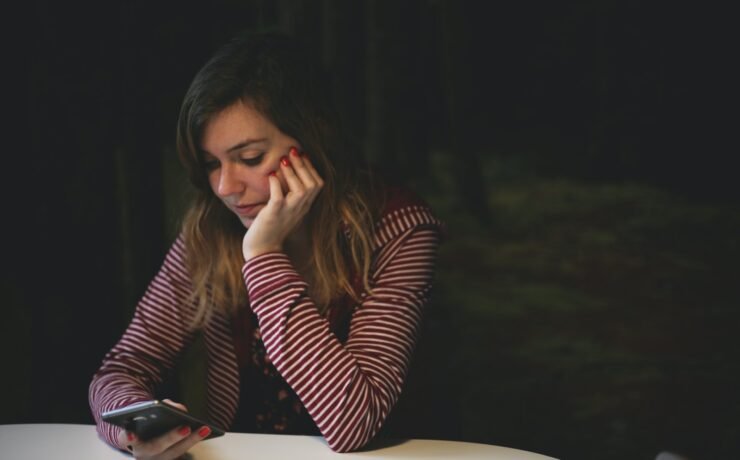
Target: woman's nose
x,y
229,182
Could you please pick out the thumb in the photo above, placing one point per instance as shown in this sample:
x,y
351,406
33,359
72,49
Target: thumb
x,y
175,404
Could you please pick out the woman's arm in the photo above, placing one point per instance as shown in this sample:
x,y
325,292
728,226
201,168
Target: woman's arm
x,y
148,347
348,389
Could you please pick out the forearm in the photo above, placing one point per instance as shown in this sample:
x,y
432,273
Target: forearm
x,y
348,389
133,368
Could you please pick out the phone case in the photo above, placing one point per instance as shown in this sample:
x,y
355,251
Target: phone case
x,y
154,418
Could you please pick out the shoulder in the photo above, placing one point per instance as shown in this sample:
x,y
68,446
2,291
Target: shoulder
x,y
176,254
174,266
403,212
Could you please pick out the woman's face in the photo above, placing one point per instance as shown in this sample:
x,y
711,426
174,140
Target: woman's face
x,y
241,148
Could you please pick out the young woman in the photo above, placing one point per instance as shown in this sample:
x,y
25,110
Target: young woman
x,y
306,277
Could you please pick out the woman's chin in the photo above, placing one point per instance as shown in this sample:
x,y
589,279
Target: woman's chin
x,y
246,221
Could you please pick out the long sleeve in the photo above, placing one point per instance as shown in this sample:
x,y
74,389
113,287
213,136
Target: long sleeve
x,y
149,346
348,389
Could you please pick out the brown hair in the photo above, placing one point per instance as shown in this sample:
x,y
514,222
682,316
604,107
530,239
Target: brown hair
x,y
275,76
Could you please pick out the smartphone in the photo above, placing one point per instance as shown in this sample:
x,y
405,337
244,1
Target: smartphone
x,y
150,419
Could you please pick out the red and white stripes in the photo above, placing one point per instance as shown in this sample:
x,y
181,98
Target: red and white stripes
x,y
348,389
149,347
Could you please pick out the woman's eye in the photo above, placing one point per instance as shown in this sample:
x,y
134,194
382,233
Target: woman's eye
x,y
254,161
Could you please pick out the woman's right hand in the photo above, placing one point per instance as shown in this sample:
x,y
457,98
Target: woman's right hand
x,y
285,209
169,446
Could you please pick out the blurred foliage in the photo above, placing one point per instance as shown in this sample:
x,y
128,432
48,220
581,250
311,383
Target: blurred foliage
x,y
595,320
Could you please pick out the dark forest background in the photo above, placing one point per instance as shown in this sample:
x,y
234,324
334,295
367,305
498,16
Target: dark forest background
x,y
587,302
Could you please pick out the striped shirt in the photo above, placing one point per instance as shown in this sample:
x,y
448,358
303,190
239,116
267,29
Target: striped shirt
x,y
348,388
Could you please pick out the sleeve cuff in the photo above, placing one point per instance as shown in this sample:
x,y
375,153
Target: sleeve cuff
x,y
266,274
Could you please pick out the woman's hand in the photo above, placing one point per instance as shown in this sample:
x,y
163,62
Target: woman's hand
x,y
283,212
169,446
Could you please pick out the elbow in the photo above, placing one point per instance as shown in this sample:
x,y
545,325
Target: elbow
x,y
344,448
354,439
358,422
339,449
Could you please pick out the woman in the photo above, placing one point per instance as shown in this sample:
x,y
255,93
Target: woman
x,y
310,315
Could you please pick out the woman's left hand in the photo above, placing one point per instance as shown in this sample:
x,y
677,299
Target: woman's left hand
x,y
283,212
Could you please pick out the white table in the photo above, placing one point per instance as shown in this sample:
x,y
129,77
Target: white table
x,y
80,442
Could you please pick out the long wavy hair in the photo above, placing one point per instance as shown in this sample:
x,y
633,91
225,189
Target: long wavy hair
x,y
274,75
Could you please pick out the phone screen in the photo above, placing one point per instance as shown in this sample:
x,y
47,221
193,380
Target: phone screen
x,y
155,418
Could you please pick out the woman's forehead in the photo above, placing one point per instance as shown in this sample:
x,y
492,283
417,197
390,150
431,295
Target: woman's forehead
x,y
238,126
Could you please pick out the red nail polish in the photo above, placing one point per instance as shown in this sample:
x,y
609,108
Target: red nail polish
x,y
284,161
130,436
294,152
203,432
184,431
273,173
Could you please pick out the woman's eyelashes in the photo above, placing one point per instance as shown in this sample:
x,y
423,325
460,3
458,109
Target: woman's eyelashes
x,y
253,161
213,164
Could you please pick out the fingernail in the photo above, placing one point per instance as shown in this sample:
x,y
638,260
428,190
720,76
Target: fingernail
x,y
203,432
284,161
294,152
184,431
130,437
273,173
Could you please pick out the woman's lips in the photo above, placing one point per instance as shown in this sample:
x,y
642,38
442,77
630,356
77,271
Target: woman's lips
x,y
249,210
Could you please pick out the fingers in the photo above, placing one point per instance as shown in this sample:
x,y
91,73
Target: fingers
x,y
125,438
155,448
295,184
313,171
178,449
276,190
301,177
304,174
169,446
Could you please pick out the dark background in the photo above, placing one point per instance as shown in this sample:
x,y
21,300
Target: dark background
x,y
580,153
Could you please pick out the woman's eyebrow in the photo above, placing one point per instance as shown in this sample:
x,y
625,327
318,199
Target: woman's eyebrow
x,y
244,144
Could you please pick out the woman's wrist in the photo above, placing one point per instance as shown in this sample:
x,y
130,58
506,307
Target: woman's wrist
x,y
250,253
